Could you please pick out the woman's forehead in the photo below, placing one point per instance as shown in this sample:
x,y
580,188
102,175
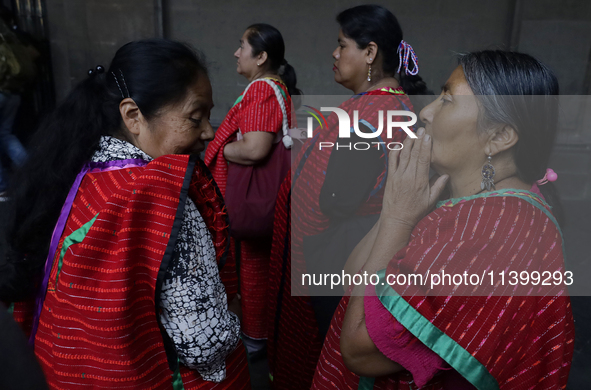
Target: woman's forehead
x,y
457,83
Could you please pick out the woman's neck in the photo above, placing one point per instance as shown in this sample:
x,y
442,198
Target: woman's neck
x,y
461,189
377,83
263,74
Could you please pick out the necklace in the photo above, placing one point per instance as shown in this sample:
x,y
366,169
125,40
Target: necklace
x,y
385,81
276,79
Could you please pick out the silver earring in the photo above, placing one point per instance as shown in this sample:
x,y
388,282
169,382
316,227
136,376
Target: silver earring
x,y
488,175
369,73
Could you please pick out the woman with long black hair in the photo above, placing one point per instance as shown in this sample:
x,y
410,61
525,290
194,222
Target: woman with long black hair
x,y
118,230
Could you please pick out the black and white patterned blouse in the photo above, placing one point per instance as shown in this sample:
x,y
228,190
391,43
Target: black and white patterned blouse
x,y
193,299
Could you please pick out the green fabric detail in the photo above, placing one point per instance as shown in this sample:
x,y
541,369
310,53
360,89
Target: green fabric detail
x,y
366,383
268,78
271,377
75,238
238,100
492,194
177,380
440,343
11,308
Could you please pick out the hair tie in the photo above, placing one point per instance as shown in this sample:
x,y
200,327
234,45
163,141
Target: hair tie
x,y
549,176
98,70
405,53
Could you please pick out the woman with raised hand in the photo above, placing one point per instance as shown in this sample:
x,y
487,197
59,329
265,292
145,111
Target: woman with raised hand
x,y
130,284
335,190
252,131
488,136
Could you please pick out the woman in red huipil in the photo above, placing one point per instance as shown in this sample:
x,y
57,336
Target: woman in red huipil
x,y
484,332
247,136
330,186
132,285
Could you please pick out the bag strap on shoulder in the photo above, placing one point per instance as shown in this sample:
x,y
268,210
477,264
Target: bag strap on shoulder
x,y
281,98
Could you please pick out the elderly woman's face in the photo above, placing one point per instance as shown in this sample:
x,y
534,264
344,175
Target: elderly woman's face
x,y
452,122
246,64
183,127
350,66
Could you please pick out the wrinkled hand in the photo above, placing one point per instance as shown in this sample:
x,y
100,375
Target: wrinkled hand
x,y
408,195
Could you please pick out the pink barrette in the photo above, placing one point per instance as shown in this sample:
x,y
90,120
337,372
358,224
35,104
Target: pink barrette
x,y
405,53
549,176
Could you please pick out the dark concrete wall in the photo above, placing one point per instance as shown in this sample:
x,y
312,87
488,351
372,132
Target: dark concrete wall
x,y
86,33
436,29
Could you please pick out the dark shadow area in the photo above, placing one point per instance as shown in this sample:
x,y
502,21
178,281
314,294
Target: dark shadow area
x,y
577,235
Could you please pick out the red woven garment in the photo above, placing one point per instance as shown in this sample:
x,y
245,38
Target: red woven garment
x,y
259,110
520,342
293,333
98,325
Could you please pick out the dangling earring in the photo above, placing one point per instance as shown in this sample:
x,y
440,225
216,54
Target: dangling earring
x,y
369,73
488,175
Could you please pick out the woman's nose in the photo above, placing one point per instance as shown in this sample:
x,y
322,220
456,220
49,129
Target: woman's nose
x,y
335,54
208,134
236,53
426,114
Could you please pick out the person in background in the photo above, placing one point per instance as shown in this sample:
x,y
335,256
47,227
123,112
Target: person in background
x,y
121,231
246,137
334,189
491,155
16,72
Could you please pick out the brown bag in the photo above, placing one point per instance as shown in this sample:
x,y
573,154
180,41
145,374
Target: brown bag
x,y
251,190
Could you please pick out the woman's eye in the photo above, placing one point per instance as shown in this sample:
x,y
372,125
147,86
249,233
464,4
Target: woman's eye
x,y
196,122
444,100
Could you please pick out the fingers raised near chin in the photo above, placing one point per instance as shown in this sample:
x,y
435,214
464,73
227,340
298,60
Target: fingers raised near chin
x,y
406,152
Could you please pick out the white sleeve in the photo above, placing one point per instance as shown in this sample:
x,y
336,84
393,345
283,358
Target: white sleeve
x,y
194,303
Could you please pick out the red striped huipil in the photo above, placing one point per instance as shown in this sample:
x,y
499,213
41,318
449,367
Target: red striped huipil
x,y
258,110
496,341
294,342
98,325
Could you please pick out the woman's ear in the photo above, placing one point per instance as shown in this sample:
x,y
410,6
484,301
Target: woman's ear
x,y
262,58
132,116
371,52
501,139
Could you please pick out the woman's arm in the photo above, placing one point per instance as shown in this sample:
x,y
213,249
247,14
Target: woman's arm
x,y
252,149
359,352
408,197
260,118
